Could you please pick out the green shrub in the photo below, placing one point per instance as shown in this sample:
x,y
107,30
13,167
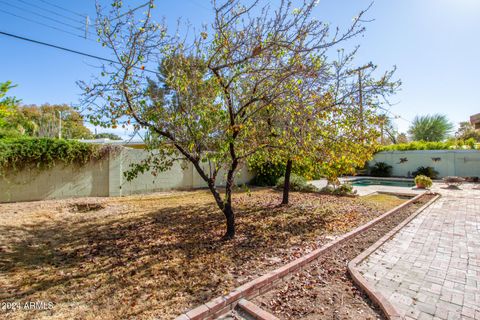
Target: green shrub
x,y
420,145
345,188
9,133
19,153
342,190
267,173
423,181
327,190
471,143
426,171
451,144
381,169
297,183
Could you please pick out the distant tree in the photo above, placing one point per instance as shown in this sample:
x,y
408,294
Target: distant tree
x,y
8,112
467,131
388,133
435,127
46,120
6,103
38,121
402,138
221,82
105,135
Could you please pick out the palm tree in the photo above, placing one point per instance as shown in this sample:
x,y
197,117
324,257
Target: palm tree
x,y
388,133
435,127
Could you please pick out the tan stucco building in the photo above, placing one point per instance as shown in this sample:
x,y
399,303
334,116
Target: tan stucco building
x,y
475,121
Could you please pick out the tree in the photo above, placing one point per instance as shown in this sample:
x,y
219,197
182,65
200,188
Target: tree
x,y
6,103
338,128
430,128
330,129
402,138
388,133
48,120
217,85
39,121
8,111
467,131
105,135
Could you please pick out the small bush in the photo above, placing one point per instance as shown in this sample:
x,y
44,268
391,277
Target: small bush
x,y
267,173
471,143
345,188
426,171
381,169
423,181
297,183
327,190
342,190
9,133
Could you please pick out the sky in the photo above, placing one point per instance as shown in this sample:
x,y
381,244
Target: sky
x,y
433,43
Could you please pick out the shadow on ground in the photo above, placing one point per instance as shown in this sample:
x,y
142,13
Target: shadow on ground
x,y
160,262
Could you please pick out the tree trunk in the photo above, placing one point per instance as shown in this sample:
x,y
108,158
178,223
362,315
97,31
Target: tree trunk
x,y
224,204
226,207
286,185
230,216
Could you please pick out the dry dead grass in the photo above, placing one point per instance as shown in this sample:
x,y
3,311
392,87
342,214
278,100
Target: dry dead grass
x,y
157,255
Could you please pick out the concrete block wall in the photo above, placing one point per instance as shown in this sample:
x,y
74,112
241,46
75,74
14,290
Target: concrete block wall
x,y
463,163
174,178
102,179
56,183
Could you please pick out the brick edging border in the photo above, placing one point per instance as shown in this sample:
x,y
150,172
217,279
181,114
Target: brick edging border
x,y
376,296
255,311
258,286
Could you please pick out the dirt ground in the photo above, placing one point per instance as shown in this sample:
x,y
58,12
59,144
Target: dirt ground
x,y
325,289
157,255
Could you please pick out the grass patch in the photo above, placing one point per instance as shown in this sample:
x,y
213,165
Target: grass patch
x,y
159,255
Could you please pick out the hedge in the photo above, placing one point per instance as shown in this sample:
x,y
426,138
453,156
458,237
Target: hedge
x,y
44,153
422,145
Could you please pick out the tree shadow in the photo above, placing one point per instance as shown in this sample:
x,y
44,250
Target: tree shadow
x,y
172,253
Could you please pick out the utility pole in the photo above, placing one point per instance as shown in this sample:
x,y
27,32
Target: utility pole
x,y
87,22
359,71
59,124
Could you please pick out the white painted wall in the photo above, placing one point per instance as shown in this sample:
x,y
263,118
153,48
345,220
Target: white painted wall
x,y
102,179
463,163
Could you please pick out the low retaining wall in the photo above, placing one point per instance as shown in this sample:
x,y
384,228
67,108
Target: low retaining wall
x,y
102,179
463,163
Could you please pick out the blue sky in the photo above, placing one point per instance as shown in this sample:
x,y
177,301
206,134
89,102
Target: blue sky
x,y
433,43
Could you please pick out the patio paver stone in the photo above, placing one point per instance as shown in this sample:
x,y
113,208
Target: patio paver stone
x,y
431,268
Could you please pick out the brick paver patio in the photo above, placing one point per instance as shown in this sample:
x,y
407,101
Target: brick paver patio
x,y
431,268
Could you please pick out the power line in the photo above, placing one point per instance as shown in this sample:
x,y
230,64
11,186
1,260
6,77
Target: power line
x,y
41,23
64,9
52,12
396,116
132,10
69,50
43,16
